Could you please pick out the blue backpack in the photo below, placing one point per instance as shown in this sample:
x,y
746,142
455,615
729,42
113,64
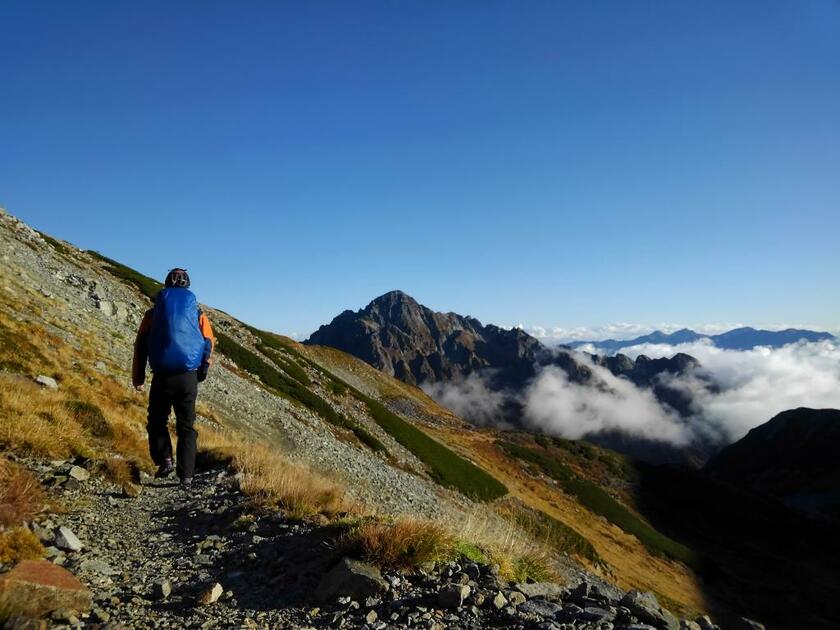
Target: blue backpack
x,y
175,340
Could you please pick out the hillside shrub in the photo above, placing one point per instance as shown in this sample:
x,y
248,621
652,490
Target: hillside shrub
x,y
19,544
600,502
148,286
402,544
21,496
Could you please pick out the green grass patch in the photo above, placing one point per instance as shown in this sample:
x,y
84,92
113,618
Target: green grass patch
x,y
471,552
600,502
148,286
552,532
289,387
446,467
284,355
60,247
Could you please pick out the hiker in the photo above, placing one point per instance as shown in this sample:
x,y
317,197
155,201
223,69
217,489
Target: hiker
x,y
177,340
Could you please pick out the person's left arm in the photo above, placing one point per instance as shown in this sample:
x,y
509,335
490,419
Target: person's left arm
x,y
209,344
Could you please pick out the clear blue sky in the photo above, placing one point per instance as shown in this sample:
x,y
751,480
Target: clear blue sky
x,y
550,163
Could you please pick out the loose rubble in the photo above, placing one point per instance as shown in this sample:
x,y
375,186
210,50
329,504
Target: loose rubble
x,y
174,559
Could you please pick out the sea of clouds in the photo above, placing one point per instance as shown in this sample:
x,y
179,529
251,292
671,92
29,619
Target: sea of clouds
x,y
750,387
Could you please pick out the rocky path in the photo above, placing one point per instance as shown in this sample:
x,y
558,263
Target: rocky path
x,y
170,558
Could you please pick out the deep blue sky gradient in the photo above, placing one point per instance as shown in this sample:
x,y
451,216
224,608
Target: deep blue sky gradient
x,y
549,163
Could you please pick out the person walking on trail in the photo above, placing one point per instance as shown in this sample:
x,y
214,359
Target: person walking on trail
x,y
176,339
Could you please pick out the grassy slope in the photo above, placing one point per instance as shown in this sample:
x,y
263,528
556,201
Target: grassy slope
x,y
631,566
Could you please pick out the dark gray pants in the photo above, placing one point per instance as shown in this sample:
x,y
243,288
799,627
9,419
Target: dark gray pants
x,y
178,392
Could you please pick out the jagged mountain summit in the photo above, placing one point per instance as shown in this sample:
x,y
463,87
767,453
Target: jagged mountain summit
x,y
405,339
401,337
745,338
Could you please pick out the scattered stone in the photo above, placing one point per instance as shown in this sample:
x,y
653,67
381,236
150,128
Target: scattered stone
x,y
37,587
453,595
705,623
499,601
351,578
371,617
162,589
647,609
546,590
46,382
687,624
541,608
97,566
516,598
65,539
211,595
79,474
742,623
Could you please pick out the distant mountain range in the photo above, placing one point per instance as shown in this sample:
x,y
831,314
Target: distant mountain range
x,y
405,339
745,338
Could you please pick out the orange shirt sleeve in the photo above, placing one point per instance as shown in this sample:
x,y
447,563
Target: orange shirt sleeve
x,y
207,330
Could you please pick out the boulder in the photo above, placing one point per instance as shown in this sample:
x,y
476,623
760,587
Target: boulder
x,y
67,540
79,474
37,587
351,578
211,595
546,590
516,598
499,601
705,623
453,595
540,608
46,382
687,624
647,609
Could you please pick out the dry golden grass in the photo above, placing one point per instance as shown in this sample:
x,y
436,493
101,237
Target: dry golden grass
x,y
19,544
121,470
629,564
21,496
401,544
272,480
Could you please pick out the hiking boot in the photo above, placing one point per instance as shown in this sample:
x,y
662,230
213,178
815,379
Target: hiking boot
x,y
165,469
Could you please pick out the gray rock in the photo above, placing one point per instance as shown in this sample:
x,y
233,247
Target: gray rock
x,y
546,590
646,608
211,595
541,608
351,578
79,474
162,589
593,614
65,539
453,595
499,600
98,566
516,598
46,382
742,623
705,623
687,624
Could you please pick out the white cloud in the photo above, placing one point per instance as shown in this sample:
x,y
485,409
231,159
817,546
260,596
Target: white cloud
x,y
555,405
756,384
470,397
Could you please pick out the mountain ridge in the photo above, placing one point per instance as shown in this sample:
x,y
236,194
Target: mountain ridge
x,y
743,338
